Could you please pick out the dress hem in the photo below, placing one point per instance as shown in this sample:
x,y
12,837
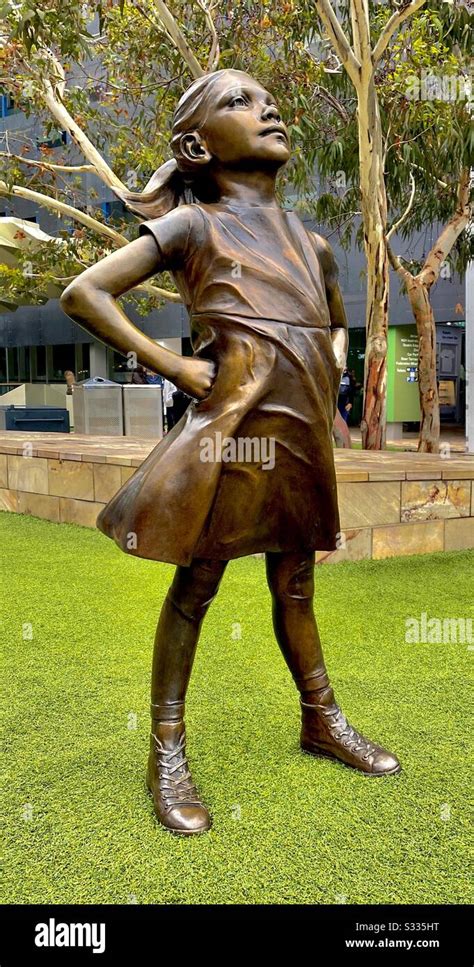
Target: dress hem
x,y
186,560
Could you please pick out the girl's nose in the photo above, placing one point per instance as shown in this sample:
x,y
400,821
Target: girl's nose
x,y
271,113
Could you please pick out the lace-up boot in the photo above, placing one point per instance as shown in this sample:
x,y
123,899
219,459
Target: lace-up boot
x,y
177,803
326,732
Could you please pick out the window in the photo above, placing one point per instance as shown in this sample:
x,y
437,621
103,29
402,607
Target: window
x,y
83,361
63,358
117,367
40,367
12,355
63,138
14,366
7,105
24,366
3,364
113,208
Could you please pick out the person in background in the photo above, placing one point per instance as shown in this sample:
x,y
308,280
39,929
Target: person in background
x,y
168,389
139,375
181,402
145,377
70,378
346,395
175,403
153,379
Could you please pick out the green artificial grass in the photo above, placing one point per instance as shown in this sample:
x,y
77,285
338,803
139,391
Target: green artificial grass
x,y
287,827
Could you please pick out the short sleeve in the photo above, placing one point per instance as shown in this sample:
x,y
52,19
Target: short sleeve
x,y
177,235
327,260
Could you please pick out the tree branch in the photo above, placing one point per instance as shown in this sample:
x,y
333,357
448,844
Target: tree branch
x,y
214,52
361,31
47,164
450,233
60,112
62,209
442,184
52,92
407,211
386,146
392,25
398,144
396,264
338,39
326,95
330,98
174,33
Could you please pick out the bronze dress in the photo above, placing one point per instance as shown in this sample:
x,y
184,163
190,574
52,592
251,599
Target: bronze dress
x,y
252,281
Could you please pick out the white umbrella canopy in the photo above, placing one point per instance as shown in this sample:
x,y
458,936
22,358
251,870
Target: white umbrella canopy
x,y
20,235
17,236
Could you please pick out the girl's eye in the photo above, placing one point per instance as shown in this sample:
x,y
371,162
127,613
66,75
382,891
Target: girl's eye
x,y
238,101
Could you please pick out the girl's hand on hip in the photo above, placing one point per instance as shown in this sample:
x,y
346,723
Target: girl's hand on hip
x,y
195,377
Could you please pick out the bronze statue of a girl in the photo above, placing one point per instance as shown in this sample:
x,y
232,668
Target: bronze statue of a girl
x,y
270,337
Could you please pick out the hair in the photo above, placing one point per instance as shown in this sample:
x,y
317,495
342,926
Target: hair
x,y
179,181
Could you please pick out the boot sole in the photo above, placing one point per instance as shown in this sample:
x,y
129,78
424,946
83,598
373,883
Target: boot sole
x,y
321,754
171,829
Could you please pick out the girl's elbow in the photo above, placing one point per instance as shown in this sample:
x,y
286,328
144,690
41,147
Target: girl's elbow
x,y
70,298
75,297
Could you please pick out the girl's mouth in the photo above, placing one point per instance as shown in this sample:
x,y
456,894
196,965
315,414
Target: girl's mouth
x,y
275,129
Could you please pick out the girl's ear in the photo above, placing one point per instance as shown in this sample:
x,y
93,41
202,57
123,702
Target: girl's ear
x,y
193,147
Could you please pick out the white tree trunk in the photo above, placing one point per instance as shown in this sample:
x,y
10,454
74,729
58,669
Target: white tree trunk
x,y
374,210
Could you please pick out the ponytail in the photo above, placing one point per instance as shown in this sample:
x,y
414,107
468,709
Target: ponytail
x,y
167,189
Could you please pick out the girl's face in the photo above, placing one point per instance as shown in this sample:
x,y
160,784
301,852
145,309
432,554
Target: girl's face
x,y
245,125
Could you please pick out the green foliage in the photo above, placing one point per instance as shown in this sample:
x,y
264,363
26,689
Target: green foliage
x,y
434,135
57,22
123,82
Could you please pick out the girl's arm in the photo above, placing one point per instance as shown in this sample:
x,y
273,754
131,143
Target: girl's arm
x,y
91,300
337,312
339,329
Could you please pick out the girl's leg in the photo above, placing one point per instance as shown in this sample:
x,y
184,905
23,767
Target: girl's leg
x,y
177,803
183,611
325,730
291,582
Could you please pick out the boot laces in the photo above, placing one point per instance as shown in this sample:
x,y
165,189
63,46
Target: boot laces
x,y
351,738
176,784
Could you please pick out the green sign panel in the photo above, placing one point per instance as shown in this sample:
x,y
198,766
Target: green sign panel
x,y
402,375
